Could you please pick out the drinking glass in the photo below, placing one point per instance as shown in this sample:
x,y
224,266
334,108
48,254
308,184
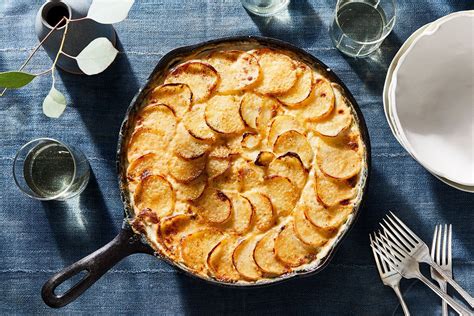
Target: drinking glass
x,y
360,26
47,169
265,7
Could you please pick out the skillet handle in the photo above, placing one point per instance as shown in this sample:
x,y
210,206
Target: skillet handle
x,y
95,264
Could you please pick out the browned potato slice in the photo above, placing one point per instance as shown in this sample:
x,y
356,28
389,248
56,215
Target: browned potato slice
x,y
188,147
264,158
264,255
278,72
307,232
220,262
156,193
282,124
147,164
320,103
200,76
191,190
242,214
256,110
217,166
244,262
302,88
173,228
230,180
337,161
331,191
293,141
290,250
195,123
186,170
214,206
339,120
250,140
220,151
222,114
283,194
237,70
328,218
263,209
159,117
145,140
290,166
177,96
196,247
252,176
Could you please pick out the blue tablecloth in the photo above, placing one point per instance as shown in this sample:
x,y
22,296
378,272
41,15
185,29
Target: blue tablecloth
x,y
39,238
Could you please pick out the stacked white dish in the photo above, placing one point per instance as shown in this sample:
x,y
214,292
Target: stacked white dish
x,y
429,98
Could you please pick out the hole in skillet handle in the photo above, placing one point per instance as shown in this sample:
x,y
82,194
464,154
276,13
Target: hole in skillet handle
x,y
92,267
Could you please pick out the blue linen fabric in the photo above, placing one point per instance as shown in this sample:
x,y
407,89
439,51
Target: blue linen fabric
x,y
39,238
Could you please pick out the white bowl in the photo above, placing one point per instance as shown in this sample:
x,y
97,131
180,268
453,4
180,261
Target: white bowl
x,y
433,98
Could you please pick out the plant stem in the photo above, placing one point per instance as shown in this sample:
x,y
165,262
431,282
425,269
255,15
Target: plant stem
x,y
60,50
67,55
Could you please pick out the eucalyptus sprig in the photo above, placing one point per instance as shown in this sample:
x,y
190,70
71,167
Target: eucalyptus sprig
x,y
93,59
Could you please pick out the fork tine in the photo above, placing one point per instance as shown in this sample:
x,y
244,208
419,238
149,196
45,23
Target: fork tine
x,y
393,246
450,250
388,249
391,231
444,260
376,257
415,238
406,236
385,264
385,255
433,243
438,245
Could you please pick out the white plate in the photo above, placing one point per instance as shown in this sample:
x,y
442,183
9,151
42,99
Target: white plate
x,y
433,98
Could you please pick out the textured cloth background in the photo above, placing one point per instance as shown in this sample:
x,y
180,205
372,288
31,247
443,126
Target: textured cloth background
x,y
39,238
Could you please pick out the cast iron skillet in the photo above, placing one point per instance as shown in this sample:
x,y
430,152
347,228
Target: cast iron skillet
x,y
127,241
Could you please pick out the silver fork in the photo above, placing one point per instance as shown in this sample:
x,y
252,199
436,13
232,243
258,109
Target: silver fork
x,y
442,254
401,235
409,268
390,277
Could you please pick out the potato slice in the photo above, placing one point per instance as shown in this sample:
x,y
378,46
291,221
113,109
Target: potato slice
x,y
307,232
278,72
196,247
339,120
147,164
337,161
195,123
220,262
159,117
200,76
186,170
191,190
230,180
293,141
217,166
250,140
290,250
257,109
177,96
214,206
237,70
302,88
244,262
264,158
251,176
172,228
242,214
220,151
145,140
328,218
263,210
264,255
282,124
331,191
222,114
290,166
320,103
283,194
188,147
156,193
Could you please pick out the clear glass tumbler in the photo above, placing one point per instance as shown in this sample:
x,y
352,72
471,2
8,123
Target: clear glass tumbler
x,y
265,7
360,26
47,169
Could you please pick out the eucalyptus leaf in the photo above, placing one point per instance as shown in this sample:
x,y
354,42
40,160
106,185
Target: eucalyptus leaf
x,y
109,11
96,56
15,79
54,104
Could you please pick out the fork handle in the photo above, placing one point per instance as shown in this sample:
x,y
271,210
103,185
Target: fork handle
x,y
453,283
455,305
443,286
396,288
